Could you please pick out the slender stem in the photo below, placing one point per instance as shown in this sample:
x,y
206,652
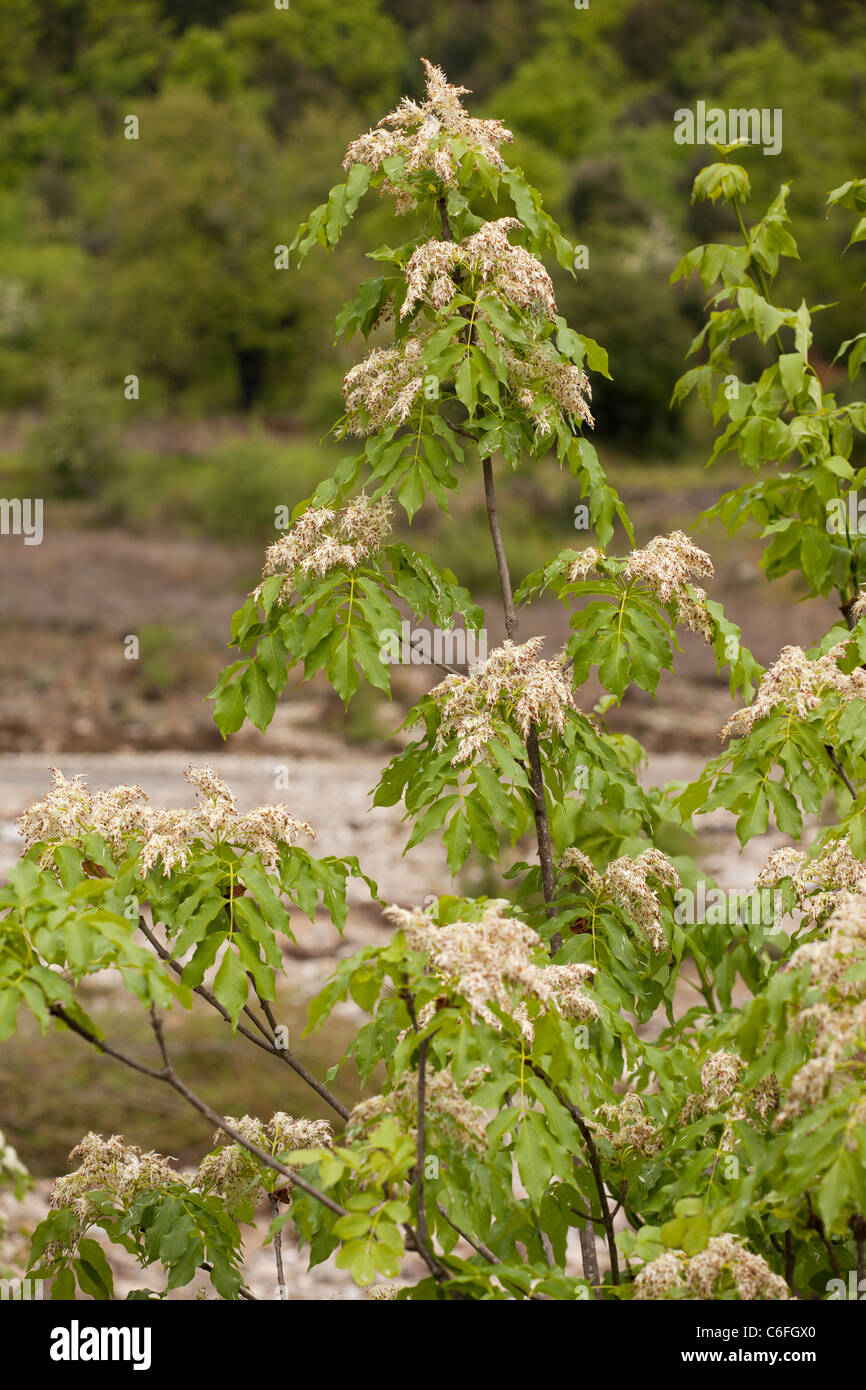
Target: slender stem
x,y
588,1252
171,1078
536,775
419,1161
278,1253
594,1163
499,549
283,1054
834,759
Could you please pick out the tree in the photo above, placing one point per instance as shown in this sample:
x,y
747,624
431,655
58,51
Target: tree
x,y
512,1031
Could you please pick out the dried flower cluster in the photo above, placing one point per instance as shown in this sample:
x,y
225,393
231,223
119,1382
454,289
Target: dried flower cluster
x,y
627,1129
123,814
234,1174
540,368
700,1274
513,685
383,1291
382,390
590,558
666,566
798,685
486,961
322,540
858,607
839,1014
625,882
110,1165
721,1091
421,133
511,273
446,1106
818,882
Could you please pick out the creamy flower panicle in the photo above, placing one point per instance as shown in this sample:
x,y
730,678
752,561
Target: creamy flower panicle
x,y
113,1166
666,566
627,1128
798,685
488,961
234,1174
419,133
322,540
508,272
700,1274
124,814
837,1017
446,1105
514,684
819,882
626,881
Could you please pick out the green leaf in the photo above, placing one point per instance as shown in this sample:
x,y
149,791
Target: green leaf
x,y
231,985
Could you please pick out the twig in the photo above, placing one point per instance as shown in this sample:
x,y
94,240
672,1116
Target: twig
x,y
278,1252
834,759
419,1161
536,776
594,1163
269,1046
171,1078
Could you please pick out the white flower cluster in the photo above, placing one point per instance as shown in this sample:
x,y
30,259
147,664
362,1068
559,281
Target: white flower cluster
x,y
818,882
625,882
666,566
839,1015
110,1165
568,385
626,1127
515,685
123,814
798,685
382,389
511,272
489,960
721,1091
322,540
234,1174
700,1274
445,1102
420,134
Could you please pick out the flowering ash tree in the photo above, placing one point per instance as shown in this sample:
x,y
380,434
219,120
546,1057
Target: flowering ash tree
x,y
533,1136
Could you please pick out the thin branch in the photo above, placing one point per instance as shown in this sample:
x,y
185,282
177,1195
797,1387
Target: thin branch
x,y
588,1252
442,205
834,759
282,1053
478,1245
419,1161
499,550
278,1252
536,775
594,1163
171,1078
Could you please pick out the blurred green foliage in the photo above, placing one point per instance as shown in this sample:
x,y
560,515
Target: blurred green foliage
x,y
156,256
